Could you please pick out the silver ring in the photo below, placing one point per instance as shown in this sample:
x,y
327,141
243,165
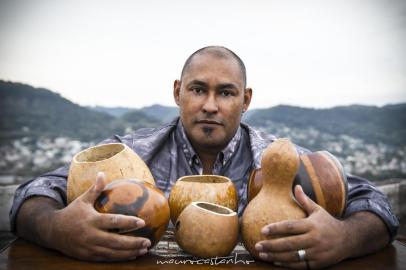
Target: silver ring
x,y
302,254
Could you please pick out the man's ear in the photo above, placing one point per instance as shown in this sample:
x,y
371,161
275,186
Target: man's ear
x,y
176,91
247,98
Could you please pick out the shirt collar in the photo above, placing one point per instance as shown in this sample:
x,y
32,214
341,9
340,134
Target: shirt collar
x,y
191,155
187,148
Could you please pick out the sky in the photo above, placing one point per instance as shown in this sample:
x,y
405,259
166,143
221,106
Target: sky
x,y
312,53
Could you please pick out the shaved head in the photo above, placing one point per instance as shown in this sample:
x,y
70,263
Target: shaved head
x,y
219,52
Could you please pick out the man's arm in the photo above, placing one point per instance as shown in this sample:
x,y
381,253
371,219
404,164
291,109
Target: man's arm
x,y
362,241
34,226
78,230
325,239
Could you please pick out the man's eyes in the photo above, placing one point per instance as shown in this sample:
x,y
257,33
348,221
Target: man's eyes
x,y
225,93
201,90
197,90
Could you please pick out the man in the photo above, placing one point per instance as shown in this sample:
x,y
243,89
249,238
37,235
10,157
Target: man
x,y
207,139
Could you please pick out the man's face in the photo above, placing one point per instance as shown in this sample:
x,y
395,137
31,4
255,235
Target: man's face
x,y
211,97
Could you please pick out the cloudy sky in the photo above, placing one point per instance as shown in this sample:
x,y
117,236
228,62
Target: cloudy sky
x,y
127,53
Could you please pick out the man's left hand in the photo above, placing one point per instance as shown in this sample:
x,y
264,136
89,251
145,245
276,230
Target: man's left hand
x,y
320,235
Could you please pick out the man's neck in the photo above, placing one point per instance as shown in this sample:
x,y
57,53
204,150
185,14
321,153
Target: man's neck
x,y
208,157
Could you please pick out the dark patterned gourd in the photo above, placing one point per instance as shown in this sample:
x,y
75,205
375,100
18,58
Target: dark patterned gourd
x,y
322,178
136,198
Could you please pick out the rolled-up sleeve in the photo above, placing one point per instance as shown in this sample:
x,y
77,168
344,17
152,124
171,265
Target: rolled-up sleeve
x,y
364,196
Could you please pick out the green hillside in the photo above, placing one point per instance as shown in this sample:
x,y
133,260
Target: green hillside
x,y
29,111
34,112
385,124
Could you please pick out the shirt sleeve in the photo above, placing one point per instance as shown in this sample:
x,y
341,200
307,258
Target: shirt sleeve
x,y
52,185
364,196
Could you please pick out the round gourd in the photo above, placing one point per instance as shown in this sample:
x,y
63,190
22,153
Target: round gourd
x,y
136,198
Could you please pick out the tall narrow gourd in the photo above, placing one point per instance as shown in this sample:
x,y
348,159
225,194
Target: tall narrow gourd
x,y
275,202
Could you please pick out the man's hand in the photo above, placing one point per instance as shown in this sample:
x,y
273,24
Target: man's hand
x,y
325,239
79,231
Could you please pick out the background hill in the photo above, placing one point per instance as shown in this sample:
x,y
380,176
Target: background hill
x,y
36,112
38,126
113,111
372,124
156,111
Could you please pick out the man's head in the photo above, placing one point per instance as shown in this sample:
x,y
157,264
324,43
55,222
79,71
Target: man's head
x,y
220,52
212,96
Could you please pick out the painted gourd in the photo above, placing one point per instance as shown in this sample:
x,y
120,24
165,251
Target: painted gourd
x,y
136,198
207,230
322,178
275,201
208,188
116,160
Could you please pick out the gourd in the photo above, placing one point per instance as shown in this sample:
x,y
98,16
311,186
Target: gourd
x,y
275,201
116,160
207,188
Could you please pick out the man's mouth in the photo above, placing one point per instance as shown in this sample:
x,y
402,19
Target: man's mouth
x,y
209,122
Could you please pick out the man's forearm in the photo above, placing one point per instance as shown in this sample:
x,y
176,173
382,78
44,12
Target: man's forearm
x,y
365,233
34,220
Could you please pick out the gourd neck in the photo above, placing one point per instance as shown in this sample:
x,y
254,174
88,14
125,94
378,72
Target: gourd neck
x,y
280,162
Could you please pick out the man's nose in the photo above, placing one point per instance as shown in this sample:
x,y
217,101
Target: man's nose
x,y
210,105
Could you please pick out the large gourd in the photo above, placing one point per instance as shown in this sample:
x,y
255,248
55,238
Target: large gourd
x,y
275,201
116,160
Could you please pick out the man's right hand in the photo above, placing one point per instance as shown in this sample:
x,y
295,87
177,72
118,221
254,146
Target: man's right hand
x,y
79,231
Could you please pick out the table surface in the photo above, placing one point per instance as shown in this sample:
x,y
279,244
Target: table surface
x,y
21,254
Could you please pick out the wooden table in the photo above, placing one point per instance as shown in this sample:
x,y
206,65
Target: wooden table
x,y
167,255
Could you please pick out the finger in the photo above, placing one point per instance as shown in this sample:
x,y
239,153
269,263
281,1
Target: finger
x,y
94,191
121,242
288,256
100,253
284,244
286,227
279,256
119,222
308,205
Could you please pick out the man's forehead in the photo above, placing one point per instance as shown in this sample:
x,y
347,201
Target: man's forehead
x,y
213,59
220,66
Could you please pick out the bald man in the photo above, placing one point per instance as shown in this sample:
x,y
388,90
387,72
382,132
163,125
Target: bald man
x,y
207,138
